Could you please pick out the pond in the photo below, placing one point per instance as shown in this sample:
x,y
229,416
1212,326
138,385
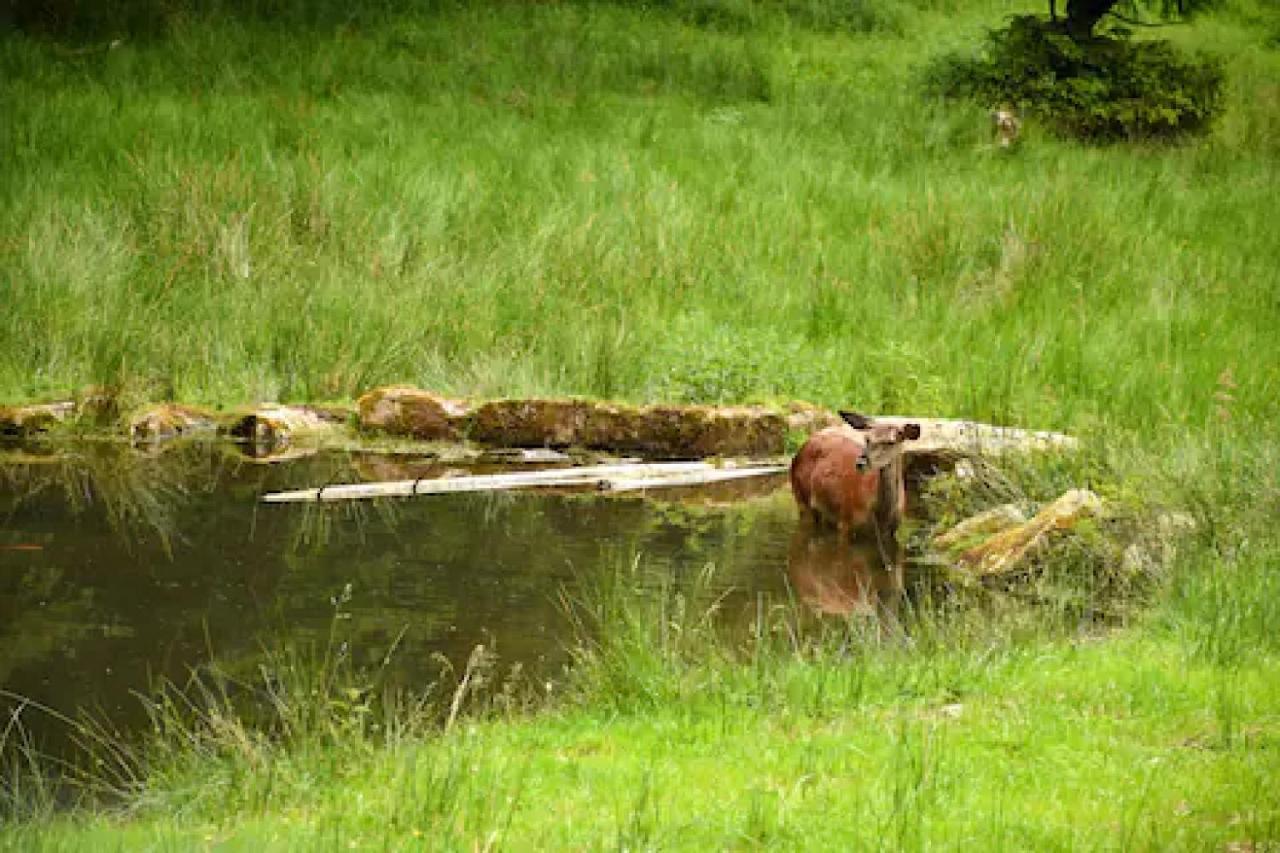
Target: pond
x,y
120,568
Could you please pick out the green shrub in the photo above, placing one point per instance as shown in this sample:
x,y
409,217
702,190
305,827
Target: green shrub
x,y
1104,89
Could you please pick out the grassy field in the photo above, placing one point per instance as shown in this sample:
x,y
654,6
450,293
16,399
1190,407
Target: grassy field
x,y
594,199
692,202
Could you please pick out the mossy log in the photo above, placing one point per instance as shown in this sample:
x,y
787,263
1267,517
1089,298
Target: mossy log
x,y
413,413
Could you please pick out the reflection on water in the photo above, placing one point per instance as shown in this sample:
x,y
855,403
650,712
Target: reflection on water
x,y
118,569
837,577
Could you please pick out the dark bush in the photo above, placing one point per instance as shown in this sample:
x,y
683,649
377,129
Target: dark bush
x,y
1105,88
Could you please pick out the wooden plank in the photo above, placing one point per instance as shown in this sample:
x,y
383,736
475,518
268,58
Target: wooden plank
x,y
487,482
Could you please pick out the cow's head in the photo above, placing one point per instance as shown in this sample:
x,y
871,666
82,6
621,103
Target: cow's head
x,y
882,442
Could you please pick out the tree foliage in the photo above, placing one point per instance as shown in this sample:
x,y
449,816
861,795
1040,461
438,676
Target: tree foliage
x,y
1084,16
1101,86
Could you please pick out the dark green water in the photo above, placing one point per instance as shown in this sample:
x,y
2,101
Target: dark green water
x,y
118,569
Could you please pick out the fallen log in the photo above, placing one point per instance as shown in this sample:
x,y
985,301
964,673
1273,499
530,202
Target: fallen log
x,y
940,436
582,476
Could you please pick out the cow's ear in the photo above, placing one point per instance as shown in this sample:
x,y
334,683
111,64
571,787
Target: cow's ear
x,y
911,431
856,420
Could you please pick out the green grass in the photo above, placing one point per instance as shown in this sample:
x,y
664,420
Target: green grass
x,y
246,211
694,201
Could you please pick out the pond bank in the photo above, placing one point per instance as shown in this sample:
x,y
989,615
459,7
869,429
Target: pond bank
x,y
1129,743
401,412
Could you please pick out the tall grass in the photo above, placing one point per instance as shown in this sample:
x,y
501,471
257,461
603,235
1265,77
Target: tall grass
x,y
247,210
287,729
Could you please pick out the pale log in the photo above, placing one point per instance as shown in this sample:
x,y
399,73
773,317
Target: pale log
x,y
486,482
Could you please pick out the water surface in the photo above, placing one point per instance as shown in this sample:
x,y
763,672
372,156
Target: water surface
x,y
119,568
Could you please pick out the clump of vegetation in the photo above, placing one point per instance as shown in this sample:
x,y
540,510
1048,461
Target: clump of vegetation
x,y
233,737
1102,564
1101,88
734,368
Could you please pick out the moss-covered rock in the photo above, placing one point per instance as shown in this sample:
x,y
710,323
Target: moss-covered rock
x,y
170,420
277,425
615,427
687,431
661,431
977,529
698,431
32,419
411,412
1008,549
98,405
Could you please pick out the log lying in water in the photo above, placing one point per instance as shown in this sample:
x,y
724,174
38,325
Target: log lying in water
x,y
621,477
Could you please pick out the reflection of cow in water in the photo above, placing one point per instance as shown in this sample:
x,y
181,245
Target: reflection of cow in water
x,y
836,577
848,482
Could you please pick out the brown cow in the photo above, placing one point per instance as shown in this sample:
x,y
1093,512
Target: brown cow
x,y
850,478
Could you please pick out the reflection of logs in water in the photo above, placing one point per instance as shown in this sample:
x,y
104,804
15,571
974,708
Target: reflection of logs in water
x,y
835,576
